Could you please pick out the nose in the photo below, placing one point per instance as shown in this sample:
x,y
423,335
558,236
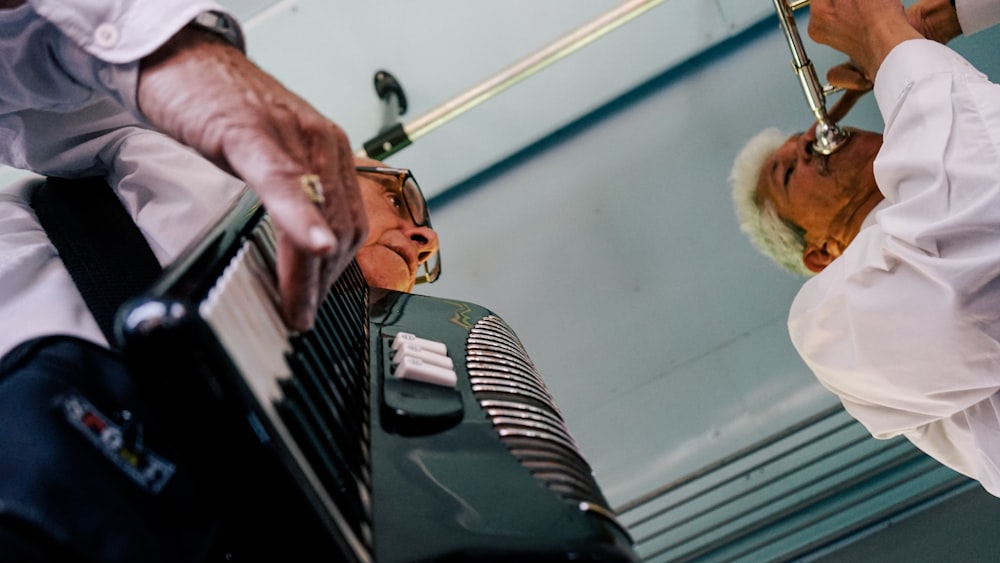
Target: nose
x,y
797,148
426,240
804,145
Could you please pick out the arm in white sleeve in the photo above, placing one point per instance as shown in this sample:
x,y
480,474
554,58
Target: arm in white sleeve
x,y
905,326
58,54
977,15
124,31
59,59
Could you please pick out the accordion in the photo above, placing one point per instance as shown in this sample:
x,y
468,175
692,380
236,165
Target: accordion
x,y
401,428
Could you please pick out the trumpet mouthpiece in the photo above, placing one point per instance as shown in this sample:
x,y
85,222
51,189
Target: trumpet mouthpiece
x,y
829,138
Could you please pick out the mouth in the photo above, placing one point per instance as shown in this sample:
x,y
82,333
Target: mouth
x,y
408,258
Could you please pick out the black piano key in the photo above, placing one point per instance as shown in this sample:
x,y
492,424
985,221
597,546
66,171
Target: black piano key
x,y
337,361
342,447
312,351
334,331
331,468
338,422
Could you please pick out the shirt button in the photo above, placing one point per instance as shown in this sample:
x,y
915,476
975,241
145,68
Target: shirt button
x,y
106,35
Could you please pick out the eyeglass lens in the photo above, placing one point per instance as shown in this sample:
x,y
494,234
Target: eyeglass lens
x,y
415,201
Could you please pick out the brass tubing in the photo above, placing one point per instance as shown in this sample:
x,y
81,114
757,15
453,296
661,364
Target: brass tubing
x,y
829,137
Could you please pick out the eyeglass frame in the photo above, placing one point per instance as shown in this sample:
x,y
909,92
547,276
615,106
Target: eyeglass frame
x,y
430,273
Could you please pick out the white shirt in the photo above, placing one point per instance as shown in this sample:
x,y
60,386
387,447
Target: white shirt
x,y
58,117
905,326
977,15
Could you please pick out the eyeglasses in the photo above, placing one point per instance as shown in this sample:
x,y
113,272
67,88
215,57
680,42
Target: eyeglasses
x,y
408,188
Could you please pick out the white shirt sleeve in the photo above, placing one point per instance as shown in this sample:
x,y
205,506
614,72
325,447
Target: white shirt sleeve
x,y
171,192
977,15
67,108
905,326
122,31
59,55
59,59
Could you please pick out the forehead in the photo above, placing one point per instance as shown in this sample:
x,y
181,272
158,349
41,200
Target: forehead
x,y
372,176
365,161
385,181
765,184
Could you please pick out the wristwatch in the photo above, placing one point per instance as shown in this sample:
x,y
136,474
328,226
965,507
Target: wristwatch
x,y
222,25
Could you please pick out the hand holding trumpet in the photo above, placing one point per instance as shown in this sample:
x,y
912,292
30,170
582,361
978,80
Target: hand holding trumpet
x,y
864,30
934,19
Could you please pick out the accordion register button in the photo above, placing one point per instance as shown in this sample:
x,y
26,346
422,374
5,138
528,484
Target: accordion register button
x,y
417,351
415,369
434,346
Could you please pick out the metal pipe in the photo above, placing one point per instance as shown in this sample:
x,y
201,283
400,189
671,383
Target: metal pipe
x,y
829,137
391,141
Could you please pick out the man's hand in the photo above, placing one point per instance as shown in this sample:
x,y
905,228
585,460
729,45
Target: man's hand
x,y
849,77
934,19
865,30
207,95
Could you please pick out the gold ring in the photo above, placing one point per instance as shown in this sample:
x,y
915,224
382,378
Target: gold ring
x,y
312,187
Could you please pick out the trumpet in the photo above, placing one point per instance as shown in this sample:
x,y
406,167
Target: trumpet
x,y
829,137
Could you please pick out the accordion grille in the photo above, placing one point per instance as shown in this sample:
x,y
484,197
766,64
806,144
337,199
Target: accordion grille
x,y
528,422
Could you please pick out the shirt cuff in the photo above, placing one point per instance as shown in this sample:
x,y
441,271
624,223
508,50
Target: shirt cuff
x,y
978,15
101,47
123,32
910,62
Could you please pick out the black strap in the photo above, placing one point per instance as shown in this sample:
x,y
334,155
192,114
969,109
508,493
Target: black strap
x,y
103,249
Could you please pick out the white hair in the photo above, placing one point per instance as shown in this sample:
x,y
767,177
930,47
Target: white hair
x,y
780,240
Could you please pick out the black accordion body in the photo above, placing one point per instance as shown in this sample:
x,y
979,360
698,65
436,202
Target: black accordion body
x,y
401,428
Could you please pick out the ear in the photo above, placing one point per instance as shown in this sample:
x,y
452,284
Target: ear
x,y
816,258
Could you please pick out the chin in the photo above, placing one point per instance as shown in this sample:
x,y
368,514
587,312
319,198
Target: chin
x,y
396,285
385,269
387,278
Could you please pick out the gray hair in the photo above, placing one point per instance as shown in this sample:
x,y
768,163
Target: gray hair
x,y
780,240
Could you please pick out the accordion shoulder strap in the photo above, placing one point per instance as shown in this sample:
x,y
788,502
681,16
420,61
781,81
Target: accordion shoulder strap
x,y
103,249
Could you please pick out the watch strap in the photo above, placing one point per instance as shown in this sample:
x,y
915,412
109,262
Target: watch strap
x,y
223,25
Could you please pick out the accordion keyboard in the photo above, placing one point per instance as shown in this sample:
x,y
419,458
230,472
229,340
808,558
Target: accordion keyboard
x,y
311,388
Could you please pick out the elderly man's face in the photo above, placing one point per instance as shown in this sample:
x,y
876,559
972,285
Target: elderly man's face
x,y
828,197
395,246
